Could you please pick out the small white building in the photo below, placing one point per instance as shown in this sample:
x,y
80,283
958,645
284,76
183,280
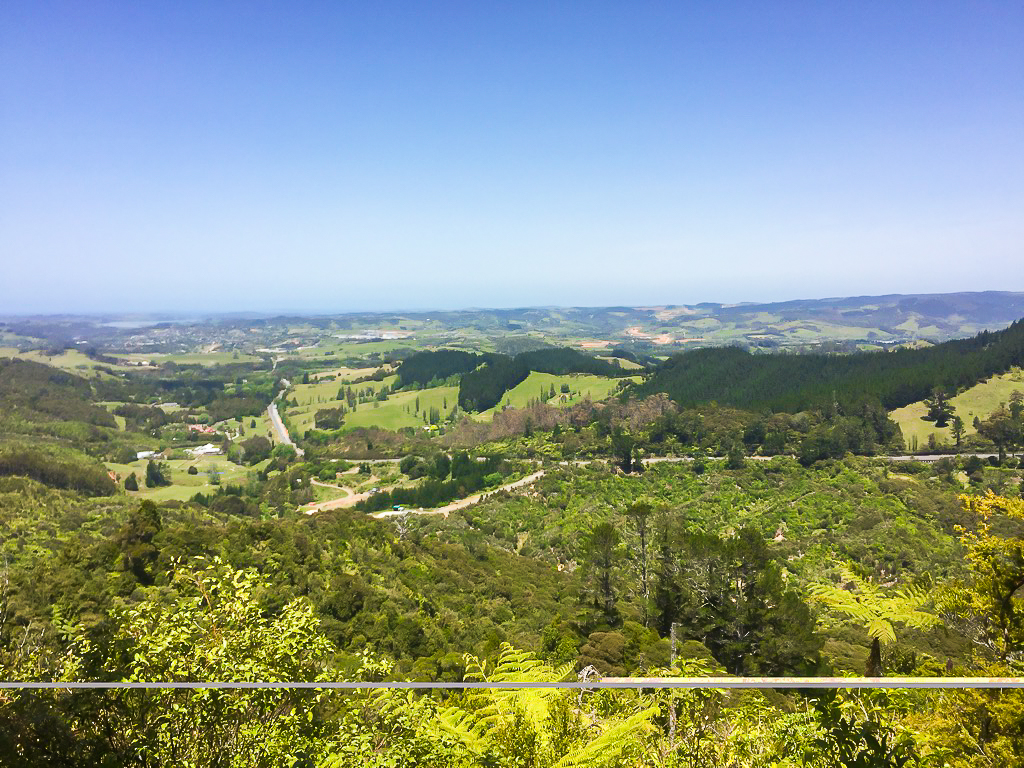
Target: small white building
x,y
203,450
145,455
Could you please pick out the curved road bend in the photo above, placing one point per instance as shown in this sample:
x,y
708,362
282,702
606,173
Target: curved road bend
x,y
461,503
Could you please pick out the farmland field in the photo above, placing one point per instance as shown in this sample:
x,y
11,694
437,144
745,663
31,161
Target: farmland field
x,y
194,358
581,386
70,359
183,485
399,410
979,401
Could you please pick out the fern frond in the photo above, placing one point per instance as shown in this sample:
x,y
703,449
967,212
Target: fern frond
x,y
882,629
463,726
613,741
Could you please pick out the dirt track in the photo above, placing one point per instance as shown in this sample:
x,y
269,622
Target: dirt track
x,y
461,503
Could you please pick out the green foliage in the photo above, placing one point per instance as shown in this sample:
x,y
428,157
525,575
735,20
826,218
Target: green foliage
x,y
484,387
798,382
209,627
37,392
939,408
58,466
859,740
135,540
467,477
424,367
730,594
157,474
996,554
329,418
865,603
256,449
538,726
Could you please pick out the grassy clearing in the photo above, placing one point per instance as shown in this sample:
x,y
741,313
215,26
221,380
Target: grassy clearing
x,y
194,358
626,365
399,410
342,374
320,494
262,428
581,387
183,485
354,349
979,401
70,359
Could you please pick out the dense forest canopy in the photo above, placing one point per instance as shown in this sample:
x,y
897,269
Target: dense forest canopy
x,y
425,367
785,382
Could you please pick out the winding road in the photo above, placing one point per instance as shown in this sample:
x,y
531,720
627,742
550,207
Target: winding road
x,y
461,503
354,498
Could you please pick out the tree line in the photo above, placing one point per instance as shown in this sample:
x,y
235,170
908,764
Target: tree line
x,y
788,382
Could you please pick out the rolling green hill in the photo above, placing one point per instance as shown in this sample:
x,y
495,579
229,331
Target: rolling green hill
x,y
786,382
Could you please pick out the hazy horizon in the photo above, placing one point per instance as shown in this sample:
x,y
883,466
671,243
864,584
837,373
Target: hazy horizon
x,y
199,158
177,315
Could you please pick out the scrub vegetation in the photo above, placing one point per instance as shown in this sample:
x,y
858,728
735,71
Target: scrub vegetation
x,y
153,531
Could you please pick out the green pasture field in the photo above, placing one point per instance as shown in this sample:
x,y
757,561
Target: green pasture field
x,y
981,400
389,414
194,358
183,485
399,410
392,414
323,394
581,386
355,349
70,359
626,365
262,428
342,375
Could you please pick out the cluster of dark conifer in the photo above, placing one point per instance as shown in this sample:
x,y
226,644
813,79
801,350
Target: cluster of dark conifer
x,y
487,377
792,383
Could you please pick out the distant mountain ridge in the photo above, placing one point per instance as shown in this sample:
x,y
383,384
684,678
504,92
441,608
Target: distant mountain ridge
x,y
948,311
864,320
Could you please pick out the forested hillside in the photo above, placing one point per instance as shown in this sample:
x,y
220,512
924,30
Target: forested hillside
x,y
484,387
424,367
794,383
750,565
261,563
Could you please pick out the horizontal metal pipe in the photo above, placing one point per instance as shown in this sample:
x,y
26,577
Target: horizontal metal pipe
x,y
607,682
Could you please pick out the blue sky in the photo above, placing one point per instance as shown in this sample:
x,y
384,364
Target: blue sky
x,y
352,156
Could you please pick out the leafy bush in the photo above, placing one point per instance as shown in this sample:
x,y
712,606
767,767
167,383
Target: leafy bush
x,y
58,468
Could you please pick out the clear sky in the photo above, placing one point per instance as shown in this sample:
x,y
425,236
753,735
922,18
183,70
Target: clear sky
x,y
342,156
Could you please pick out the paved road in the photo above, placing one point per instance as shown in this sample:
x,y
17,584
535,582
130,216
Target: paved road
x,y
279,429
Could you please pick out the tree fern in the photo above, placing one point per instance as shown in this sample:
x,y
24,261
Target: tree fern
x,y
607,748
496,706
466,728
492,712
877,611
